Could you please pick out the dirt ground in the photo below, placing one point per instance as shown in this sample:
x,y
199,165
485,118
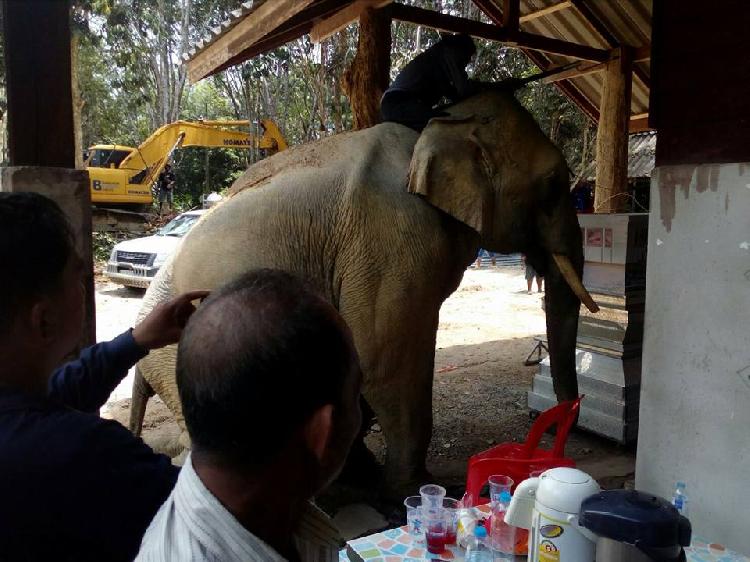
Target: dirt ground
x,y
487,329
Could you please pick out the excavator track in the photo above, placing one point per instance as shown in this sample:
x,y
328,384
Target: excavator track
x,y
133,220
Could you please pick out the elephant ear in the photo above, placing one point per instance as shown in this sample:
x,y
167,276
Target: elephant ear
x,y
451,168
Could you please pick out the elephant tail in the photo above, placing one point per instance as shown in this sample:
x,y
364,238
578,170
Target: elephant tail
x,y
142,391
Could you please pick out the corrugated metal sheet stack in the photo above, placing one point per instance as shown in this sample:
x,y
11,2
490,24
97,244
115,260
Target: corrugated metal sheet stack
x,y
608,354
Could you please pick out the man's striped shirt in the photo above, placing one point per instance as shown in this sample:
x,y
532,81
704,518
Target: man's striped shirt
x,y
192,524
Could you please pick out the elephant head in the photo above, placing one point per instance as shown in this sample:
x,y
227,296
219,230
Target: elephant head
x,y
489,165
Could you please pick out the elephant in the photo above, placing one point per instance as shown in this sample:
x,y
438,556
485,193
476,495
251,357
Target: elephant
x,y
384,222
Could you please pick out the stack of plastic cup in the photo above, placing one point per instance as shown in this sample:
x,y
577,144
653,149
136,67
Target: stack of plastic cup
x,y
502,535
433,517
414,518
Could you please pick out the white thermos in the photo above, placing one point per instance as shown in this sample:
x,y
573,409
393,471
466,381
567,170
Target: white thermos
x,y
549,506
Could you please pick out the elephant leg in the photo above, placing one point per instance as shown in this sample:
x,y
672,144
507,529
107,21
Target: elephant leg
x,y
362,468
142,391
398,364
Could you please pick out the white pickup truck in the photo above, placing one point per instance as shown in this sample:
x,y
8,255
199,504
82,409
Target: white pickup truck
x,y
134,263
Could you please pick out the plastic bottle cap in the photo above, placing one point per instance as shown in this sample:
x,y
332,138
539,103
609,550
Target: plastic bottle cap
x,y
480,532
505,497
681,485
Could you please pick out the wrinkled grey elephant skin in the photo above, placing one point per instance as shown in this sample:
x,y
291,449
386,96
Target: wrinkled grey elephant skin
x,y
384,222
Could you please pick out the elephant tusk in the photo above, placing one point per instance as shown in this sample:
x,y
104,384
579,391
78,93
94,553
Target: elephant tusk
x,y
569,273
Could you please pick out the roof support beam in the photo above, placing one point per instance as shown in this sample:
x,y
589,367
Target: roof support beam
x,y
491,10
639,125
607,35
293,29
610,194
511,14
546,11
642,53
268,16
324,28
581,69
520,39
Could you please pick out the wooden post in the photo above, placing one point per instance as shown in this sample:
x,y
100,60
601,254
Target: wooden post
x,y
41,139
511,14
368,76
40,105
612,135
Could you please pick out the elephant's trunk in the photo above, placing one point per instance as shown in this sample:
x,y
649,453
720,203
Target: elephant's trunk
x,y
562,309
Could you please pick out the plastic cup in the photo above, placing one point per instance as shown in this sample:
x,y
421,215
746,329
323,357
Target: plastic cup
x,y
432,500
450,509
414,523
499,484
436,531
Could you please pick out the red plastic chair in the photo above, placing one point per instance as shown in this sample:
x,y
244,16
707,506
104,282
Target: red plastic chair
x,y
518,460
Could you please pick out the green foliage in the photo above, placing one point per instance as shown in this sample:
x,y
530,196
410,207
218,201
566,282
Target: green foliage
x,y
103,244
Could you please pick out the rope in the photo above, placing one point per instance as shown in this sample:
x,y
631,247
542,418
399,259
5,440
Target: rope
x,y
622,194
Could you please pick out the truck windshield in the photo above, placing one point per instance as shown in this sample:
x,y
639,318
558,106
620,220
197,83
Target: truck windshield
x,y
178,227
104,158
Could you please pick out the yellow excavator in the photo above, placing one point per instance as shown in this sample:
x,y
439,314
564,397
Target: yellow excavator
x,y
122,177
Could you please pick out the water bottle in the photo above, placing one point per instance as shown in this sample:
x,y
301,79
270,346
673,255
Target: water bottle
x,y
477,549
680,499
502,535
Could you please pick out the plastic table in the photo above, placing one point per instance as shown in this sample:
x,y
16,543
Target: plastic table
x,y
395,545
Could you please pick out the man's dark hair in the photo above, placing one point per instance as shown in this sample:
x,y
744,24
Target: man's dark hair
x,y
36,242
460,42
255,361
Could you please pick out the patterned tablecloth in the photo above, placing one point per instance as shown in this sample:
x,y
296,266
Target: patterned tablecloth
x,y
395,545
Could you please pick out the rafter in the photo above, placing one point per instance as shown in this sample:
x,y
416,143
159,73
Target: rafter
x,y
581,69
511,14
531,41
546,11
294,28
324,28
587,14
568,89
269,15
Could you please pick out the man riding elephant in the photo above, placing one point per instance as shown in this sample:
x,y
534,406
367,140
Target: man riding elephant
x,y
438,72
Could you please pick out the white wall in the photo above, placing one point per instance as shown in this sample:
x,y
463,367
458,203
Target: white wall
x,y
695,396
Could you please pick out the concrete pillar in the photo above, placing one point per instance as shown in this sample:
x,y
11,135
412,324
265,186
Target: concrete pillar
x,y
695,386
70,190
612,135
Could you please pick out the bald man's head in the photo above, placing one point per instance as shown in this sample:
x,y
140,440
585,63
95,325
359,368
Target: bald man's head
x,y
258,358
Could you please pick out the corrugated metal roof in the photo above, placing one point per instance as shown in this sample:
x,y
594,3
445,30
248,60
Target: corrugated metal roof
x,y
641,156
236,16
626,22
596,23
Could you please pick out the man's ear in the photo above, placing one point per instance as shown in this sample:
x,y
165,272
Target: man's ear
x,y
42,320
318,430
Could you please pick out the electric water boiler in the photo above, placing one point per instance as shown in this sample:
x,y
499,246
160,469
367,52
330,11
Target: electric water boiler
x,y
632,526
549,507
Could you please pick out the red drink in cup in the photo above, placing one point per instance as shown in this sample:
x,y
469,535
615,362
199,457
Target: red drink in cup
x,y
450,537
436,541
450,509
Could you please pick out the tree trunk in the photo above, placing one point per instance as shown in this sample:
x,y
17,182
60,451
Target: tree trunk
x,y
612,136
77,101
368,76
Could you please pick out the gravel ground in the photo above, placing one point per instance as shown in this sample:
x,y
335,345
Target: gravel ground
x,y
486,331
